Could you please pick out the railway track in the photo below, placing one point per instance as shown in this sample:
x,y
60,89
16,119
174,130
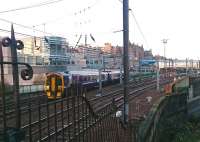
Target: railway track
x,y
25,98
117,96
44,119
107,98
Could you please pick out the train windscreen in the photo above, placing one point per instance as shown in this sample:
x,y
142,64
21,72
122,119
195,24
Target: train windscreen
x,y
58,81
48,81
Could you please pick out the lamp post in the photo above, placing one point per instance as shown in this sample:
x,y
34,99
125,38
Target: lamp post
x,y
164,41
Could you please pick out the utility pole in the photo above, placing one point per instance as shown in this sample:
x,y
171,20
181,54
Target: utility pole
x,y
33,41
125,57
121,67
186,70
158,76
103,61
192,67
164,41
43,49
121,80
85,40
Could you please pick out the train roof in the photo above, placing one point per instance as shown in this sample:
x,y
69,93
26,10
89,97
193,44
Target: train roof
x,y
85,72
82,72
93,72
60,73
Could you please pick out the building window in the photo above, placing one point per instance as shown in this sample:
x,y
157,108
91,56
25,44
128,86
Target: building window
x,y
96,62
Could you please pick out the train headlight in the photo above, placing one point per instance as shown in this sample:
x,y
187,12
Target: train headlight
x,y
59,88
46,88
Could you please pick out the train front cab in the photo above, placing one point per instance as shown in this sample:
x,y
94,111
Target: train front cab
x,y
54,86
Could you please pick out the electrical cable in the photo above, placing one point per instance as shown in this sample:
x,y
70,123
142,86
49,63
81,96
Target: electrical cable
x,y
34,29
31,6
78,12
31,28
139,28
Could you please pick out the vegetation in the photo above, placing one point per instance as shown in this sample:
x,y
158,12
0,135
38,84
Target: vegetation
x,y
179,129
189,132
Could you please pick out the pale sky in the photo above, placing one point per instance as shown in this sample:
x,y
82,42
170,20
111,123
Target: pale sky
x,y
176,20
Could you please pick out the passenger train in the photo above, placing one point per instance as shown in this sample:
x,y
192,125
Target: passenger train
x,y
57,83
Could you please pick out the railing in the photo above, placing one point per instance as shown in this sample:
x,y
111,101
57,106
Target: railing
x,y
68,119
26,74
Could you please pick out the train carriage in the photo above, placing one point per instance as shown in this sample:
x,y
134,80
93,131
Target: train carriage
x,y
57,83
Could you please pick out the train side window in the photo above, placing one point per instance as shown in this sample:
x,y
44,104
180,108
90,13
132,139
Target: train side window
x,y
80,78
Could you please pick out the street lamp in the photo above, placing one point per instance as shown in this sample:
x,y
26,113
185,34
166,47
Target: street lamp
x,y
164,41
157,76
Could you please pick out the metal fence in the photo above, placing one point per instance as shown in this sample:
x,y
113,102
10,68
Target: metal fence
x,y
32,117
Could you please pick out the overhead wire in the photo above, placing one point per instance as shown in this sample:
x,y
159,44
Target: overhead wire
x,y
31,28
31,6
77,12
137,24
44,23
24,26
139,28
41,31
22,34
32,35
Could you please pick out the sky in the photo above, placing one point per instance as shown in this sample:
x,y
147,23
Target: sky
x,y
176,20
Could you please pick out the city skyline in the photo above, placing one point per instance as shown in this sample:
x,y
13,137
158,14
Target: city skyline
x,y
175,20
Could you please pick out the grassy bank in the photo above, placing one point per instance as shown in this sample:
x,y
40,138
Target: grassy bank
x,y
189,132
